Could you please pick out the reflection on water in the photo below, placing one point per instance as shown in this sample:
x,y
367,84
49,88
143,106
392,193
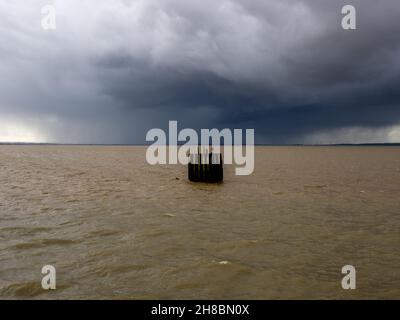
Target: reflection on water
x,y
115,227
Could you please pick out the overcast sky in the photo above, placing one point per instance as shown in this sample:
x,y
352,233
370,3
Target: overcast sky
x,y
112,70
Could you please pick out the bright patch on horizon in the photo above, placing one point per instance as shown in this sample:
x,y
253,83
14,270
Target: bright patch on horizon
x,y
17,132
394,135
355,135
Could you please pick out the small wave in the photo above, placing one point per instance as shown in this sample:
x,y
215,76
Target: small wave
x,y
74,174
103,233
222,262
170,215
44,243
106,271
25,231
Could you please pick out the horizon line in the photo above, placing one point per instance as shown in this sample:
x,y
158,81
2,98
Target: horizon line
x,y
256,144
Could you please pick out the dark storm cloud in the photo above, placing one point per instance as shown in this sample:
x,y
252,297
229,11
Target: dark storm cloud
x,y
111,71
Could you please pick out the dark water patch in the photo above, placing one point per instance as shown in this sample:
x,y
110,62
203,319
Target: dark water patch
x,y
315,186
103,233
24,289
27,289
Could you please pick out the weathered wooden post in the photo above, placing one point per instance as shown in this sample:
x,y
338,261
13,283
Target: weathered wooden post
x,y
205,167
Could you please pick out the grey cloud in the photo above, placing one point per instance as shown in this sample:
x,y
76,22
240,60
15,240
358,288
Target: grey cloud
x,y
111,71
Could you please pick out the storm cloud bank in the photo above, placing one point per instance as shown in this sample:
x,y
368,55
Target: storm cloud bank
x,y
114,69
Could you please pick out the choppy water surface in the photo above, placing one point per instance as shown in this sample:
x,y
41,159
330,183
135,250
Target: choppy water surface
x,y
115,227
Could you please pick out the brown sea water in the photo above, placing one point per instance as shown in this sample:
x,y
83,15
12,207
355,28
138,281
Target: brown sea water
x,y
116,227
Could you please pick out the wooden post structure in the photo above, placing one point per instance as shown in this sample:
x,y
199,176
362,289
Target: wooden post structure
x,y
204,167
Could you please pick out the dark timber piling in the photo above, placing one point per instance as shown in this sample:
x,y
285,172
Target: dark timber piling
x,y
206,167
